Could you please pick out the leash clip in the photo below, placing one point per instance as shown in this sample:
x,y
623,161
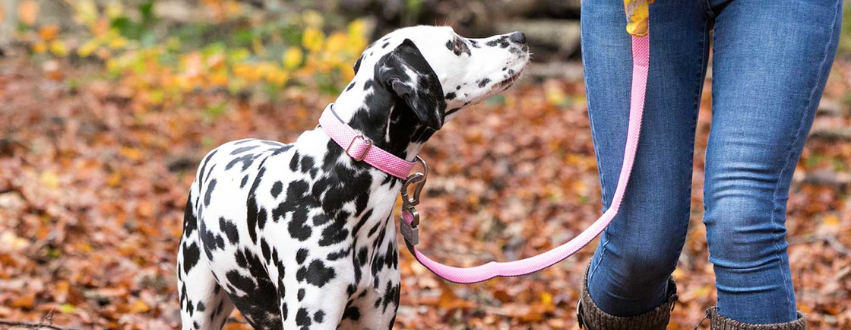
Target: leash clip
x,y
409,227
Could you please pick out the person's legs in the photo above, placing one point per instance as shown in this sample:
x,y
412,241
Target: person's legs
x,y
771,61
638,252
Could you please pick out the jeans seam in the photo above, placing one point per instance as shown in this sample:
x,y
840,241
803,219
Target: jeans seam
x,y
787,281
600,171
701,77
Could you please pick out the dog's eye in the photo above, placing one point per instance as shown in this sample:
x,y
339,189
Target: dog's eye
x,y
460,46
458,42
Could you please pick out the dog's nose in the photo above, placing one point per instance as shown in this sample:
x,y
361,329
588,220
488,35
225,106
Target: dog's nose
x,y
518,37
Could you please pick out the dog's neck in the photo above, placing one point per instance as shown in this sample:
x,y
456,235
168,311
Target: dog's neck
x,y
379,115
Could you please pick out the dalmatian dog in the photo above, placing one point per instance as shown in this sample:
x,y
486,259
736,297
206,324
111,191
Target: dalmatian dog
x,y
300,235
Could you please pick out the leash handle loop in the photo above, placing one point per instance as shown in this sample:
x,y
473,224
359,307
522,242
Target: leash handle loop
x,y
640,69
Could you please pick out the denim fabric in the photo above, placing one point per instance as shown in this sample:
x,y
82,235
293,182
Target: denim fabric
x,y
770,63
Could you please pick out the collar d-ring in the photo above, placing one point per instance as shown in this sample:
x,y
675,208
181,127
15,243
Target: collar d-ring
x,y
418,180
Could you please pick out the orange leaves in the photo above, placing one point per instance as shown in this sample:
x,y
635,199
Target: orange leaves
x,y
131,153
49,32
28,11
26,301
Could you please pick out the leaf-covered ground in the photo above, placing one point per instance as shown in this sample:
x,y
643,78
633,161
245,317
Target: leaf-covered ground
x,y
92,190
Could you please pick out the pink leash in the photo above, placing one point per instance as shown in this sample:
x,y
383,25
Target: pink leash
x,y
362,148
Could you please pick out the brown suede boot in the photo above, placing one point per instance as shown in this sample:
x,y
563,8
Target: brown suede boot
x,y
719,322
591,317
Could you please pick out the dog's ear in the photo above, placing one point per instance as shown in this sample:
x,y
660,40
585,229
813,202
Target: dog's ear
x,y
407,74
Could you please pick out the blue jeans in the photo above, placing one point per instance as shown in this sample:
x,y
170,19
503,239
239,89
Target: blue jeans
x,y
771,60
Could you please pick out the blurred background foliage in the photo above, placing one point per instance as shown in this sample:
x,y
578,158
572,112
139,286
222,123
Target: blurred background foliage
x,y
157,51
219,45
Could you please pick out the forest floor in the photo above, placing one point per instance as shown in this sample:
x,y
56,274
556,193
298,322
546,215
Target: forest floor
x,y
92,190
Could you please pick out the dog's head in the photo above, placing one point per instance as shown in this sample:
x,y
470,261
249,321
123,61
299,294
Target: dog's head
x,y
436,72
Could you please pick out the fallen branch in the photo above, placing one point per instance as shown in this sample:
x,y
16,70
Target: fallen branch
x,y
565,71
832,134
46,322
830,178
33,325
832,108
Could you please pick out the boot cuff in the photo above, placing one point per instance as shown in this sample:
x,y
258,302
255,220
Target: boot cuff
x,y
724,323
593,318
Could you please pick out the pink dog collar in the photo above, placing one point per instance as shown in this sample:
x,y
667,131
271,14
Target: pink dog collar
x,y
361,148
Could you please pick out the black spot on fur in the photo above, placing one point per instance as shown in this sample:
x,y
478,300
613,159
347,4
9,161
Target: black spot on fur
x,y
362,254
350,86
337,255
281,150
356,67
191,254
190,223
391,294
251,206
351,313
300,295
262,216
484,82
306,164
243,149
204,165
319,316
246,161
450,96
211,241
368,84
320,219
335,232
277,187
285,311
209,192
294,162
301,255
298,227
264,248
302,319
385,45
316,274
230,230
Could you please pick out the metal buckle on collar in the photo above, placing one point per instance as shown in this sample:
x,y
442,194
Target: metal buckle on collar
x,y
410,231
365,152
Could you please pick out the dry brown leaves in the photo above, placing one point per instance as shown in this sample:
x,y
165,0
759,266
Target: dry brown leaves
x,y
91,198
